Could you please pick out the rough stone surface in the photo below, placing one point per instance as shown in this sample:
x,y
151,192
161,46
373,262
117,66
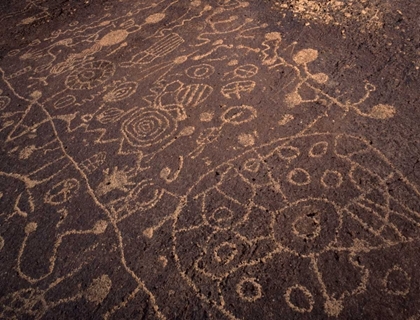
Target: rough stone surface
x,y
209,159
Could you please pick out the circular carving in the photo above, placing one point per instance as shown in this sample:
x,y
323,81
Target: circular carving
x,y
148,127
64,102
288,152
246,71
249,289
239,114
331,179
397,281
307,226
299,305
200,71
299,177
225,252
221,217
90,75
319,149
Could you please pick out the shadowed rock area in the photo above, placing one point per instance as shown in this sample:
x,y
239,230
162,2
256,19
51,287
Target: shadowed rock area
x,y
209,159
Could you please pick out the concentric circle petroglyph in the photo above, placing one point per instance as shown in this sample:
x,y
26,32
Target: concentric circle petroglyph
x,y
200,71
147,127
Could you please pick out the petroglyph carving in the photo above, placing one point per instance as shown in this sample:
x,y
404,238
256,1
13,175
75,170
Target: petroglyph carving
x,y
249,289
62,192
1,243
294,305
148,127
246,140
235,89
115,180
159,49
99,289
169,176
206,116
122,91
90,75
242,72
193,95
91,164
239,115
206,137
110,115
397,281
201,71
299,177
306,56
301,225
65,102
4,102
331,179
109,125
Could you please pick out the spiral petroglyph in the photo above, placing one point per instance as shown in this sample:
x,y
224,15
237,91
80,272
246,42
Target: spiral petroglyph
x,y
148,127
